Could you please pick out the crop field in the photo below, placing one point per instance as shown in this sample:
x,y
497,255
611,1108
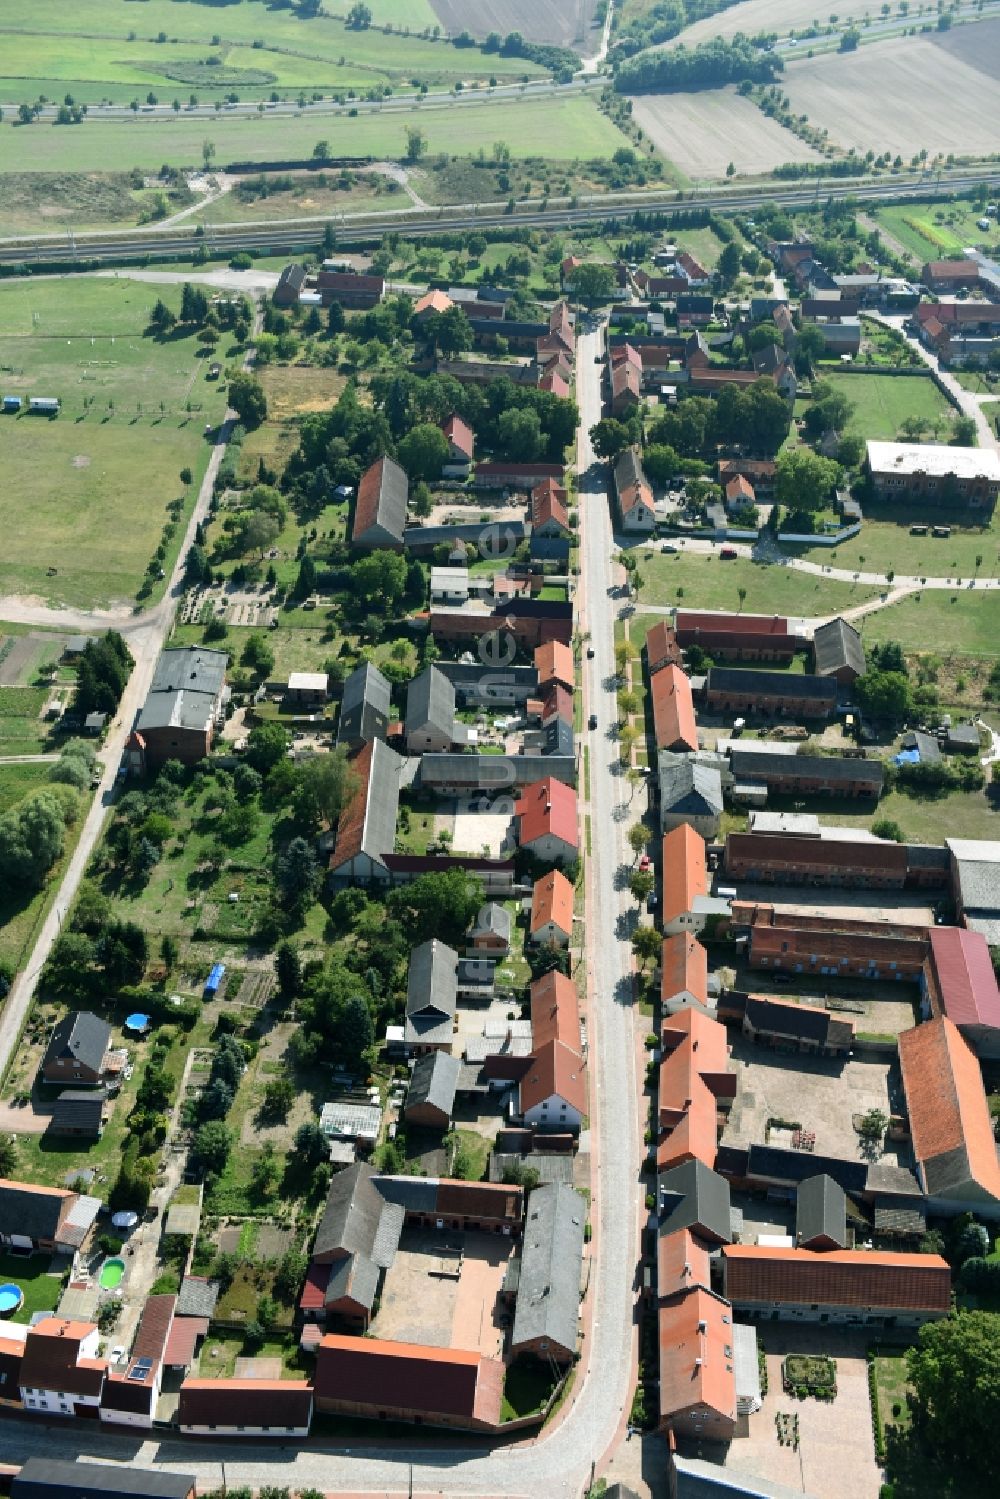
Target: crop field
x,y
754,16
567,23
902,96
77,526
703,132
108,50
571,127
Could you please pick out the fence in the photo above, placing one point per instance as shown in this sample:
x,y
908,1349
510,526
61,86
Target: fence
x,y
819,539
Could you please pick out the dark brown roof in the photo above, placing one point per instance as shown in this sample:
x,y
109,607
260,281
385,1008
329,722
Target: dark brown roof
x,y
841,1277
773,850
480,1199
131,1396
409,1376
51,1354
244,1402
381,499
154,1327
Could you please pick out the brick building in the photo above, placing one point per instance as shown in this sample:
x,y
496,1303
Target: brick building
x,y
737,637
770,693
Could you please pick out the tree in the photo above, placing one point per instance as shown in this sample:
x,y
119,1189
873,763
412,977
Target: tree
x,y
357,1034
8,1157
32,835
423,452
297,873
416,143
593,282
211,1148
335,319
258,655
641,884
885,694
161,319
886,827
310,1145
378,582
803,480
267,743
437,905
288,967
279,1095
963,432
169,951
207,153
638,837
646,944
873,1125
810,345
247,398
359,17
321,151
955,1376
305,583
610,437
728,265
449,331
326,783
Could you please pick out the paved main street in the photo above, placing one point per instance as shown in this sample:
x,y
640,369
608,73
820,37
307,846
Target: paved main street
x,y
593,1423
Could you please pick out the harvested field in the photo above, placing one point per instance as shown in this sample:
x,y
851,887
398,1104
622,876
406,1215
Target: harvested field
x,y
754,16
703,132
902,96
566,23
977,46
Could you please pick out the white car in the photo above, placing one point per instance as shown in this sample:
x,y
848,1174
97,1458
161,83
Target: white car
x,y
118,1355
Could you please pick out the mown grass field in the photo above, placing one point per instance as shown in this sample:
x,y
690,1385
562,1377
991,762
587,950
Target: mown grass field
x,y
707,583
86,493
885,543
570,126
959,621
883,402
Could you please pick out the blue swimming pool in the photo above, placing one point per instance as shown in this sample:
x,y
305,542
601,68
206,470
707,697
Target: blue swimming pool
x,y
11,1299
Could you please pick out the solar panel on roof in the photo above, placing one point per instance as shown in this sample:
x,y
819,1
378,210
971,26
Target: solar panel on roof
x,y
140,1368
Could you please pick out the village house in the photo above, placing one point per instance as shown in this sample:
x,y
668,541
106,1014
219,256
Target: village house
x,y
662,648
684,880
366,828
430,713
787,1025
694,1084
49,1220
950,275
461,447
820,1214
77,1049
547,1307
551,919
697,1372
554,665
489,935
547,821
277,1408
552,1094
690,792
430,1096
674,725
380,507
431,997
365,707
61,1371
683,974
949,1118
838,652
529,622
633,495
865,1287
307,689
353,291
394,1381
183,708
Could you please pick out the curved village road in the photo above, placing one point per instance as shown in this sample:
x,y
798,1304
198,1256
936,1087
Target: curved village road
x,y
559,1464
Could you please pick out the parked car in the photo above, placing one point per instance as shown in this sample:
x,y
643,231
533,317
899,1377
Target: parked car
x,y
593,720
644,862
590,653
728,554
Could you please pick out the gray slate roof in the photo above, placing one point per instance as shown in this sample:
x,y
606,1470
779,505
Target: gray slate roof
x,y
494,918
548,1295
352,1220
197,1297
787,684
836,645
431,992
693,1196
820,1212
496,772
687,787
628,469
433,1081
185,691
750,765
356,1276
55,1478
411,1194
430,703
365,706
81,1037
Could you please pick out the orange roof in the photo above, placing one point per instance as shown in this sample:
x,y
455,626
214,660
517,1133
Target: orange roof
x,y
661,646
6,1181
555,1011
685,874
683,966
949,1117
547,807
739,488
683,1261
695,1062
838,1277
554,661
460,433
556,1071
63,1327
696,1356
552,901
351,823
555,383
546,505
433,301
673,710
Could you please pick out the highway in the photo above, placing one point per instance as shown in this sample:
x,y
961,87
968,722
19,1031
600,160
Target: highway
x,y
362,228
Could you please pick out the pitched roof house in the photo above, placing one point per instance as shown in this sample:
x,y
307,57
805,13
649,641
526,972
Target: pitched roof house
x,y
551,909
366,829
547,1310
636,509
958,981
555,1010
820,1214
684,878
689,792
55,1478
838,651
683,973
661,647
554,663
430,1097
76,1049
553,1091
950,1123
408,1382
866,1286
697,1371
43,1217
430,712
365,706
674,724
60,1371
694,1082
277,1408
431,997
547,821
380,508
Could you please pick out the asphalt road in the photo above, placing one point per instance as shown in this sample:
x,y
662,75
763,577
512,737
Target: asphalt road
x,y
559,1464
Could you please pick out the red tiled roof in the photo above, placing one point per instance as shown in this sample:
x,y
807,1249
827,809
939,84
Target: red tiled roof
x,y
369,493
673,710
554,383
154,1327
351,823
313,1296
184,1337
661,646
966,982
689,622
411,1377
556,1071
555,1011
52,1358
552,900
739,488
459,433
839,1277
696,1358
696,1057
683,966
946,1100
480,1199
685,873
558,703
547,806
554,662
433,301
952,270
682,1262
547,506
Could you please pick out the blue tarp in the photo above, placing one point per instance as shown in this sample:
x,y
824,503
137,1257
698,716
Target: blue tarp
x,y
214,978
907,757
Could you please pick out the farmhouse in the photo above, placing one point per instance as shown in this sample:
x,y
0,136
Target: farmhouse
x,y
784,1024
674,723
366,829
792,942
808,775
950,275
183,707
553,1091
348,288
697,1370
852,1286
529,623
729,690
44,1218
77,1049
431,997
958,981
975,882
408,1382
689,792
547,823
636,510
365,707
430,1097
380,508
949,1118
547,1309
737,637
820,1214
951,478
838,652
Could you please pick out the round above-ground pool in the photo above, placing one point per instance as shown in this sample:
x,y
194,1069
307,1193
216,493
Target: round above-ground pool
x,y
111,1273
137,1022
11,1299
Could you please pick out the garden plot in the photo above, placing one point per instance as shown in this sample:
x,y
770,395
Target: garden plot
x,y
903,96
703,132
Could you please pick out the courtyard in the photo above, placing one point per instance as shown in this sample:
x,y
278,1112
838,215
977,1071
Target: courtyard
x,y
443,1290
